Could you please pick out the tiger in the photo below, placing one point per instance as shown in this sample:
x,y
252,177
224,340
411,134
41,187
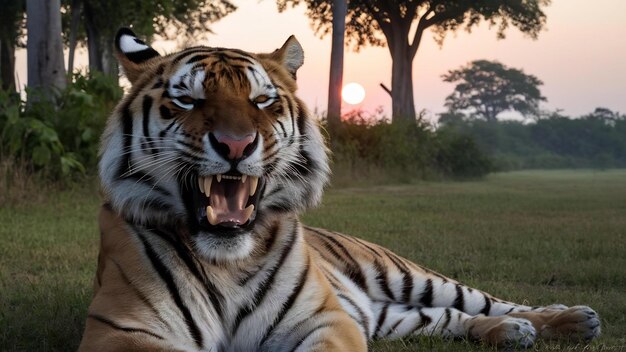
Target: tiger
x,y
205,166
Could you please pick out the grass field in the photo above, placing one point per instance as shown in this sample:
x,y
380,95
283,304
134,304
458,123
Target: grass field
x,y
537,237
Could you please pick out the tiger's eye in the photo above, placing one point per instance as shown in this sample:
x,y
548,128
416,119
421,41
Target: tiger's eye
x,y
261,99
186,99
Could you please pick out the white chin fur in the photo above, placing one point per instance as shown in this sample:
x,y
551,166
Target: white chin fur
x,y
223,249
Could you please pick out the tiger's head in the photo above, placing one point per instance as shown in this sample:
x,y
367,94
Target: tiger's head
x,y
211,138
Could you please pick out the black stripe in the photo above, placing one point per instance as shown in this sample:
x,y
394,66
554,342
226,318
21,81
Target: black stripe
x,y
305,165
283,128
381,319
292,114
424,321
448,317
509,311
141,56
154,205
407,278
139,294
189,52
127,131
159,71
276,189
158,84
269,156
166,114
183,253
459,302
127,127
382,280
427,295
147,105
332,251
282,207
311,332
288,304
224,55
302,117
360,243
254,74
168,278
265,286
116,326
354,273
395,326
197,58
162,133
365,322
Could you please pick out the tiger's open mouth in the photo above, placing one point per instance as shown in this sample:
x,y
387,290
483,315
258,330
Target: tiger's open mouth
x,y
227,201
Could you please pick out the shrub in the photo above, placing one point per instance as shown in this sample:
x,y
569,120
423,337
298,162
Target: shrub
x,y
57,138
368,149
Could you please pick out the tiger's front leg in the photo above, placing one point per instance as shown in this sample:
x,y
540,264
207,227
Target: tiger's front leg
x,y
408,299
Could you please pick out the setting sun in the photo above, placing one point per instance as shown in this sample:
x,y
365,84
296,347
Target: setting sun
x,y
353,93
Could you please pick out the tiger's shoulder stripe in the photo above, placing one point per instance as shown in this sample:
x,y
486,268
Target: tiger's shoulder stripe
x,y
166,275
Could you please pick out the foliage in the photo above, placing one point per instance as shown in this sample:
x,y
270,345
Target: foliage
x,y
487,88
59,137
403,151
401,25
367,20
189,17
596,140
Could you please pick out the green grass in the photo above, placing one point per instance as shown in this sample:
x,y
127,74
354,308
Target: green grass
x,y
536,237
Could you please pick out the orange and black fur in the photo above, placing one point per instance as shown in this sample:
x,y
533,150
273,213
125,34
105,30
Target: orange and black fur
x,y
205,165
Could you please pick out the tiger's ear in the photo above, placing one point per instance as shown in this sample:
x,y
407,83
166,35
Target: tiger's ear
x,y
290,55
132,53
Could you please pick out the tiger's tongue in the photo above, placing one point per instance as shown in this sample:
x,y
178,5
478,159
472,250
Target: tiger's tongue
x,y
228,203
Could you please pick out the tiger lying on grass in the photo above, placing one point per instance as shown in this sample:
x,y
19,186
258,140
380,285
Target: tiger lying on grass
x,y
205,166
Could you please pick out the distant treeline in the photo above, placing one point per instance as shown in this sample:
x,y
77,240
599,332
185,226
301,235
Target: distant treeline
x,y
595,140
370,151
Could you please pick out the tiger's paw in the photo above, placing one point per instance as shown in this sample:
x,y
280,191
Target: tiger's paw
x,y
578,322
504,331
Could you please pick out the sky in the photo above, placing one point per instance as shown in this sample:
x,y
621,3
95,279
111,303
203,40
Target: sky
x,y
580,57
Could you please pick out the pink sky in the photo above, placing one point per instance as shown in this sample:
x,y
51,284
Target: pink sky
x,y
581,57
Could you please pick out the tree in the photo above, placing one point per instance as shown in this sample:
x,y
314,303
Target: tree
x,y
487,88
11,18
46,69
400,24
340,9
101,20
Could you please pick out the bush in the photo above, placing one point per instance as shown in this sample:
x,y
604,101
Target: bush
x,y
57,138
371,150
458,156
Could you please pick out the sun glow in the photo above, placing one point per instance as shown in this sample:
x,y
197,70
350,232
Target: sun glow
x,y
353,93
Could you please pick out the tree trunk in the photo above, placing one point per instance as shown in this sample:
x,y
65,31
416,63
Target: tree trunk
x,y
402,104
7,65
75,8
109,63
340,9
45,46
94,47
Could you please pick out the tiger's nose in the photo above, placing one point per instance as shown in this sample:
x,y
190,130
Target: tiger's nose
x,y
234,147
